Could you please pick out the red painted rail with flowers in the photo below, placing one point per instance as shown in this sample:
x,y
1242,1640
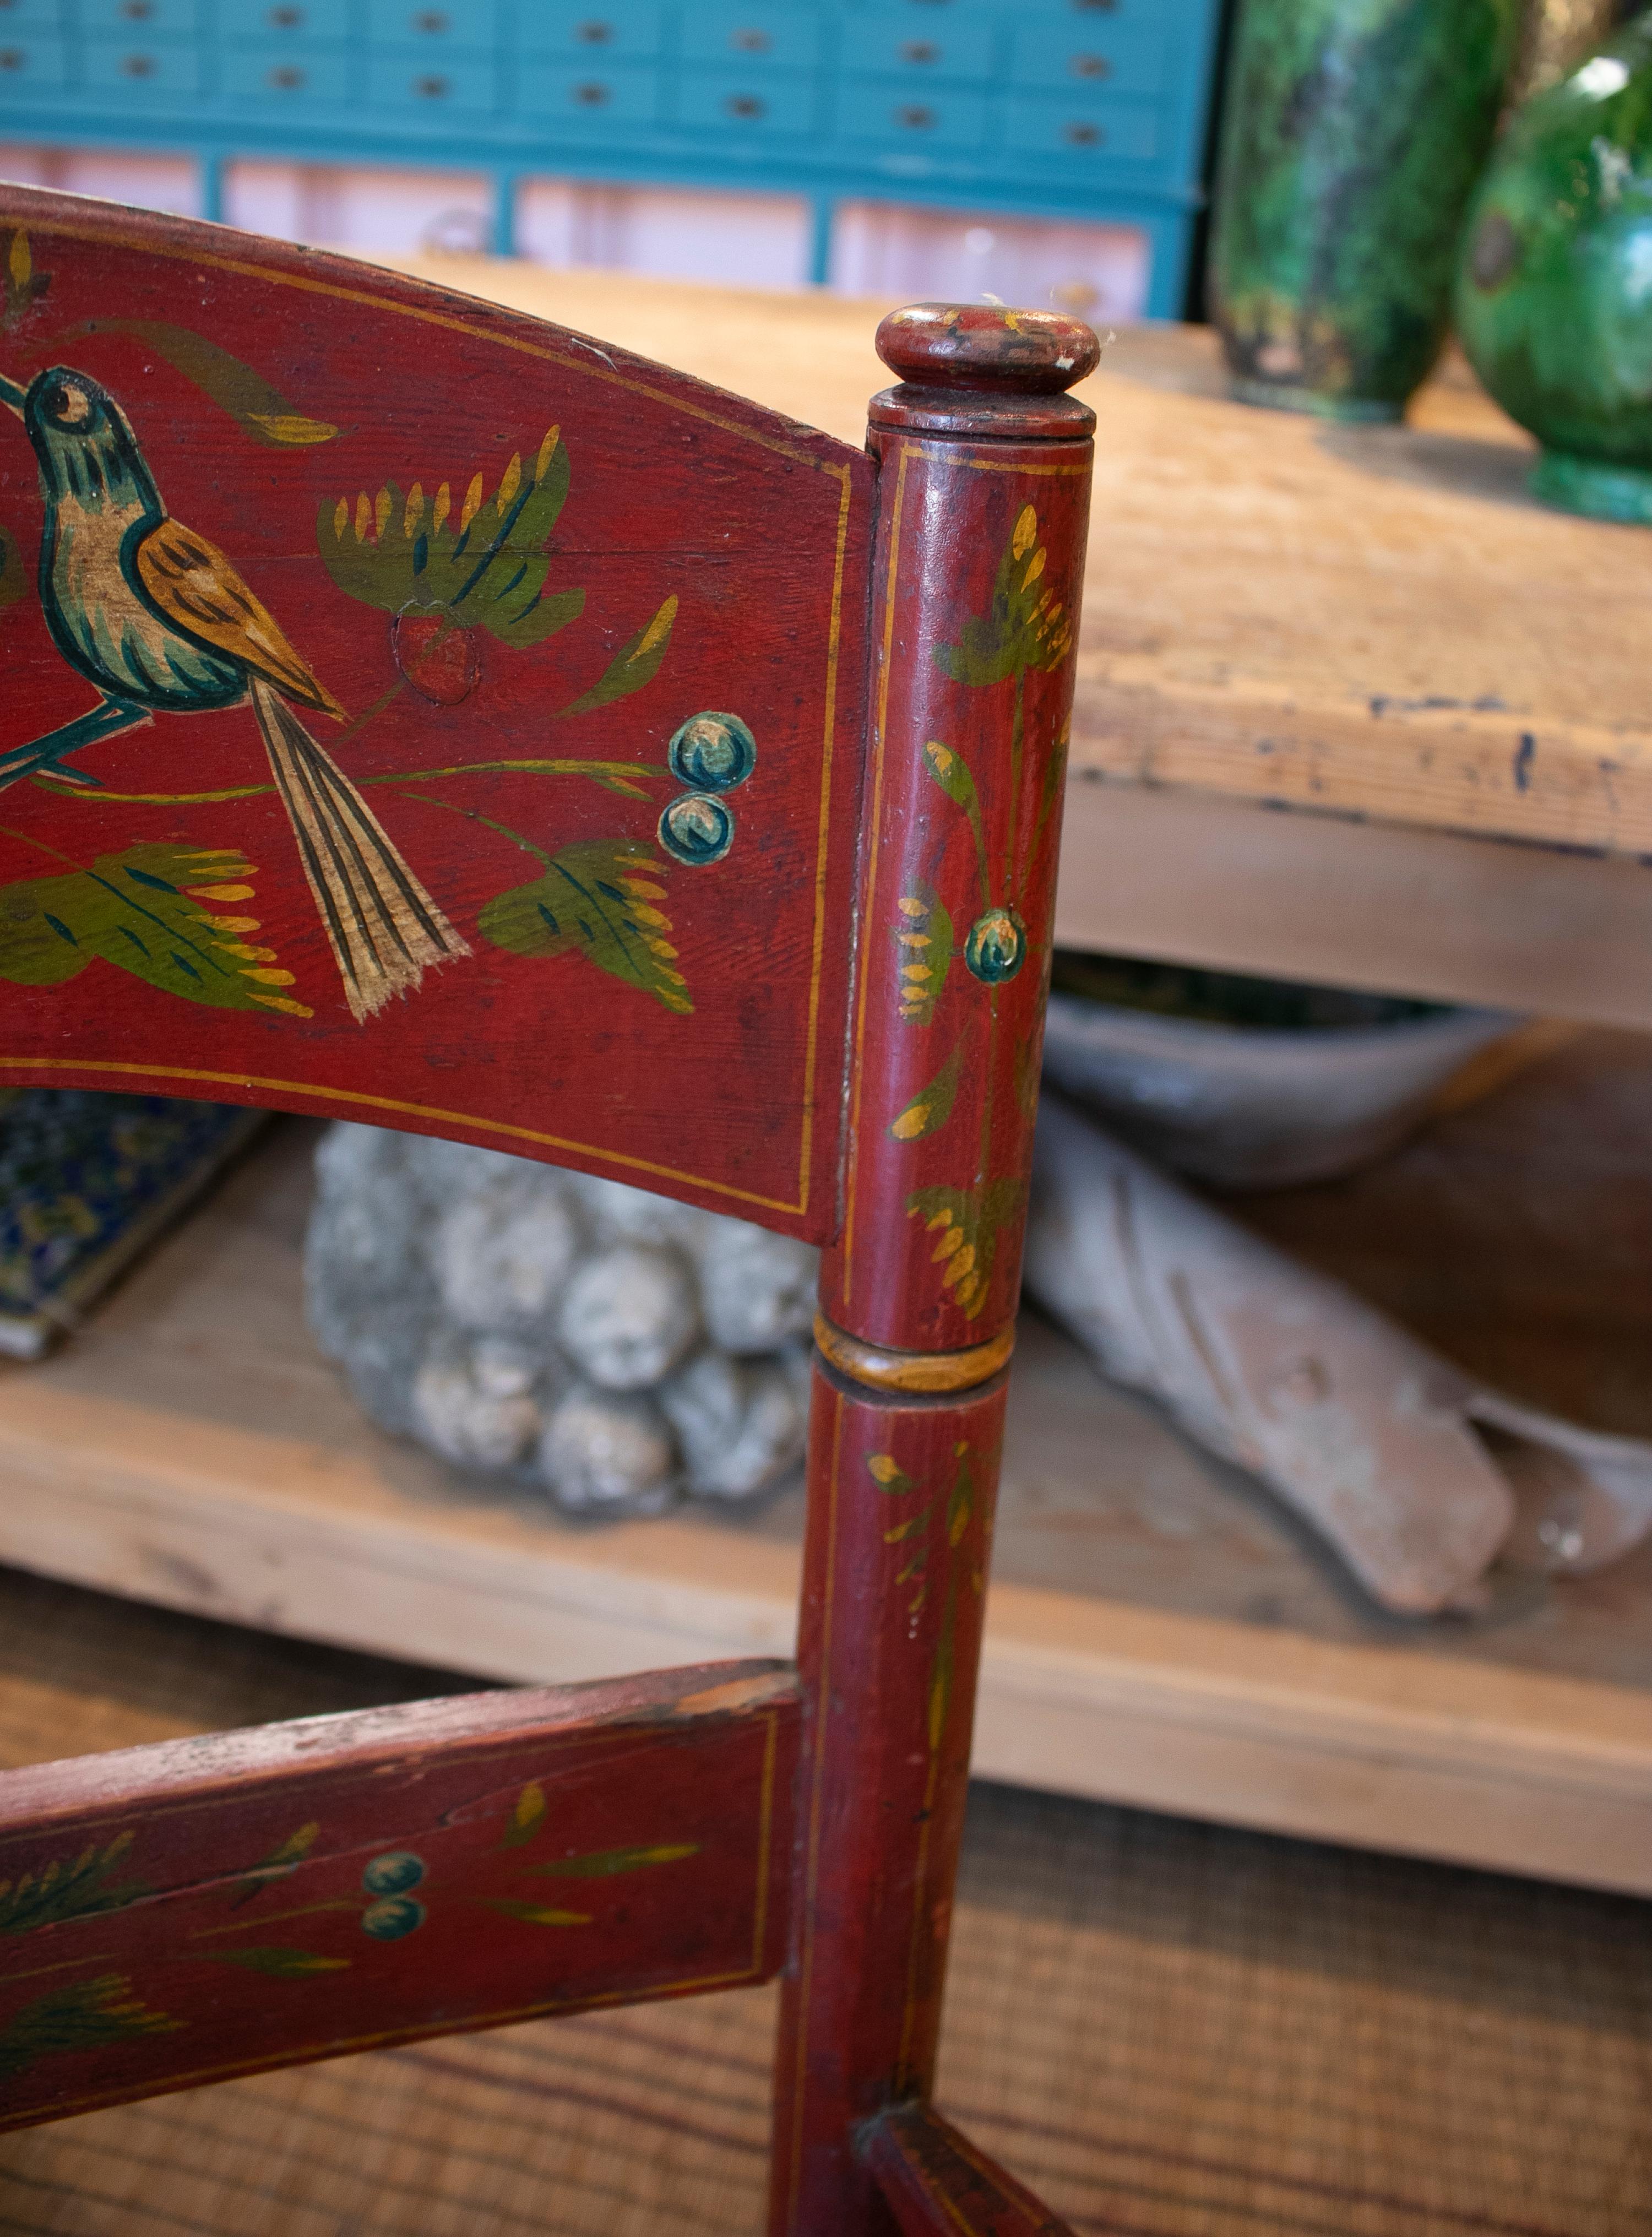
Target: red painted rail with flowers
x,y
419,714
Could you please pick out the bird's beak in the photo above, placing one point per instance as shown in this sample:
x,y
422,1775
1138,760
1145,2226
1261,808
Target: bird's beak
x,y
12,396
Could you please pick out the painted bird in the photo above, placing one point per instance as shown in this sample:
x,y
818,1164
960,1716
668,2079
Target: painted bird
x,y
159,621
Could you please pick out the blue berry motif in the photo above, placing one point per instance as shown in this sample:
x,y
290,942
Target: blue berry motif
x,y
393,1873
713,753
996,946
698,829
395,1916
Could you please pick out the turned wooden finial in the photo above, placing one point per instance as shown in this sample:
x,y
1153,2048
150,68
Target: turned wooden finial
x,y
985,345
978,368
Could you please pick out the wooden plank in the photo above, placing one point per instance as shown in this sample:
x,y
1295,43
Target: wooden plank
x,y
1375,622
180,1913
1188,878
1155,1633
938,2184
577,882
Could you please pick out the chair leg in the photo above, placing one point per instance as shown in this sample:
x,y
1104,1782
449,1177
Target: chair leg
x,y
901,1492
982,505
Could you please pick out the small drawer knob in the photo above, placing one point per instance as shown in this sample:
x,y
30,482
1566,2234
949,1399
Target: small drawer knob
x,y
920,50
431,20
430,89
750,41
11,58
746,104
137,66
1084,135
286,19
1091,66
916,117
594,33
286,79
137,12
590,95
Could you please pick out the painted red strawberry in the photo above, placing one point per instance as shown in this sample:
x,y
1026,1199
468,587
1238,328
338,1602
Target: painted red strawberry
x,y
439,656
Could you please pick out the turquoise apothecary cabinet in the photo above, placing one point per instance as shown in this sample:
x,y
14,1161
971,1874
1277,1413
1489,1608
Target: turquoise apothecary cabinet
x,y
1092,110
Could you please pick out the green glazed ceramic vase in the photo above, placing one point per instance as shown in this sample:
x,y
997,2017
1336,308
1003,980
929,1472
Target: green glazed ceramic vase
x,y
1355,130
1554,300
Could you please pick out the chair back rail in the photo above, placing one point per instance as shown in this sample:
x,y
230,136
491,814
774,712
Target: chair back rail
x,y
419,714
181,1913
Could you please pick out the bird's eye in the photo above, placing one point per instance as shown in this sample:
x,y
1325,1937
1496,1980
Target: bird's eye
x,y
69,406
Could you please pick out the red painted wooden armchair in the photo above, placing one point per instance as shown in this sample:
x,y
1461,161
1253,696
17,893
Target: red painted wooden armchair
x,y
418,713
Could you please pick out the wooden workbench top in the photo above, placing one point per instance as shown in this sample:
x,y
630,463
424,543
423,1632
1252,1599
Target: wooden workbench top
x,y
1374,621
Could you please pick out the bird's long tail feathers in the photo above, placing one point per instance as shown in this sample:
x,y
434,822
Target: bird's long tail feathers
x,y
384,926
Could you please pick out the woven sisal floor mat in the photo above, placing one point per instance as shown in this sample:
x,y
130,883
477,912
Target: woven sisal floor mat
x,y
1172,2030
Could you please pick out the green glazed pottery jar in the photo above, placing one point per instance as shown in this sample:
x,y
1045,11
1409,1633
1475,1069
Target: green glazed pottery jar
x,y
1554,300
1354,132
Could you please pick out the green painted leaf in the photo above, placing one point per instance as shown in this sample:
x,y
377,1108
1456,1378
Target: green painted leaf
x,y
887,1476
960,1500
281,1862
1027,624
78,1887
260,410
599,898
535,1914
932,1107
636,662
967,1222
480,559
604,1863
923,936
276,1962
14,576
24,286
527,1817
155,910
951,773
83,2017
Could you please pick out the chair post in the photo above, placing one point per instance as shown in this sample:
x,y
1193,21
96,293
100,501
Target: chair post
x,y
984,465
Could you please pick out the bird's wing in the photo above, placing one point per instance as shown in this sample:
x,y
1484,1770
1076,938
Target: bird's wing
x,y
197,589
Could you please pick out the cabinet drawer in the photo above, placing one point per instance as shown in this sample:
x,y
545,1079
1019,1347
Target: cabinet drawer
x,y
287,22
957,49
287,81
1081,133
1095,17
139,19
1052,56
594,31
437,27
431,87
31,67
758,37
943,119
139,71
936,14
592,97
742,106
29,16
